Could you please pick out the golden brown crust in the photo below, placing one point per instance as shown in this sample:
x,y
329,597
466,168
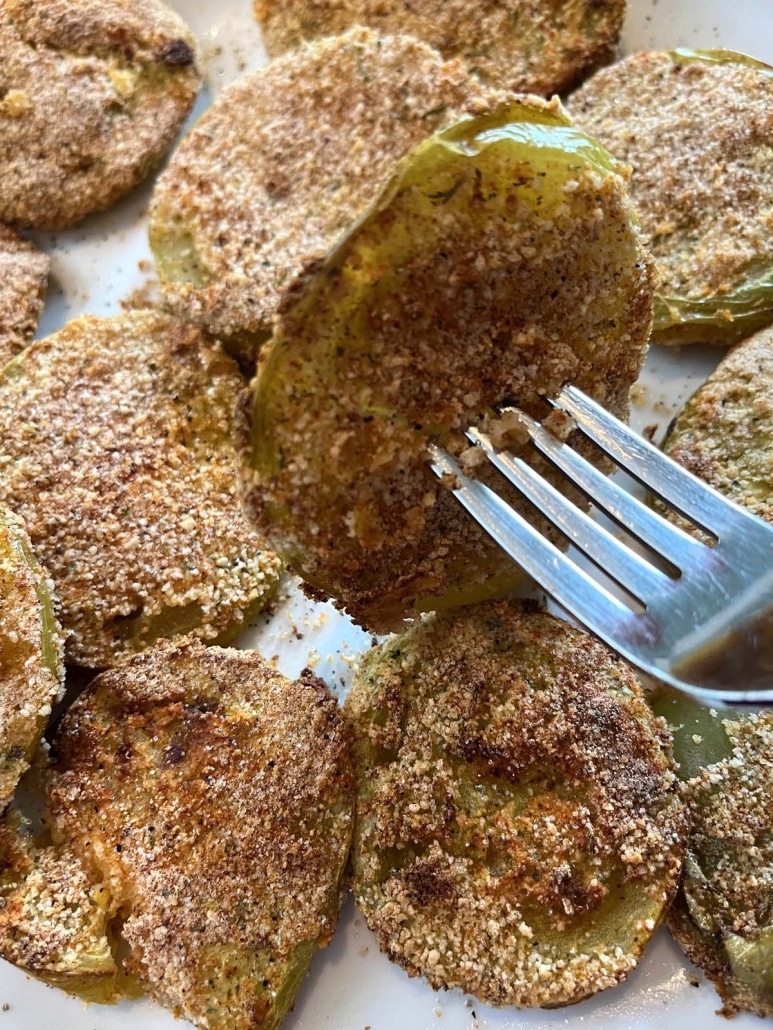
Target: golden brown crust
x,y
698,136
285,160
214,797
725,904
23,281
116,449
31,670
530,46
724,434
93,93
518,831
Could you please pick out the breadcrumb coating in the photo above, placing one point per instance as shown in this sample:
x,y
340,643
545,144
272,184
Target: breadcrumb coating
x,y
53,917
31,662
214,798
724,432
518,830
724,916
116,448
23,281
92,93
530,46
284,161
699,136
499,262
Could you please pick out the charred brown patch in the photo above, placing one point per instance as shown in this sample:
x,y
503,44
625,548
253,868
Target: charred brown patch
x,y
177,53
570,894
428,884
174,754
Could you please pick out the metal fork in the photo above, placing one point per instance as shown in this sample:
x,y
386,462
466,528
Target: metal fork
x,y
704,624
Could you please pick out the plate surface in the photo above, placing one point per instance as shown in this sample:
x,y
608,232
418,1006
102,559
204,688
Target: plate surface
x,y
352,986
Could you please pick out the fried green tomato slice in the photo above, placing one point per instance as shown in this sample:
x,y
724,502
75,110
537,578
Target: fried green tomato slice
x,y
284,161
530,46
518,830
23,282
92,93
53,917
214,797
697,127
723,914
31,663
117,451
499,261
724,432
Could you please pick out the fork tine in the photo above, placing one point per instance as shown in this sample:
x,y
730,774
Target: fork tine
x,y
557,574
611,555
666,539
641,459
663,640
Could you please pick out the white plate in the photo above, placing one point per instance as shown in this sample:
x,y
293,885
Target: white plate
x,y
351,985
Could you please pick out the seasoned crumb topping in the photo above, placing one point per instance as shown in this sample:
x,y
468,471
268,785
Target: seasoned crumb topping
x,y
115,447
285,160
730,803
722,918
530,46
53,920
23,280
699,137
31,670
214,797
91,95
518,831
723,432
465,287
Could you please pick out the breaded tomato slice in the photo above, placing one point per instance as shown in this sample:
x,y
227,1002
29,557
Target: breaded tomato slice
x,y
519,832
214,797
284,161
530,46
92,93
116,448
54,917
697,128
31,652
499,261
23,282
